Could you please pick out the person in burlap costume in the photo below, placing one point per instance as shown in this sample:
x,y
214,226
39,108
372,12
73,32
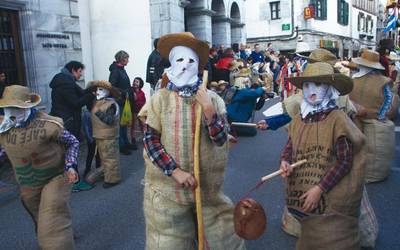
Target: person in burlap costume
x,y
169,204
372,91
291,105
105,125
325,193
44,158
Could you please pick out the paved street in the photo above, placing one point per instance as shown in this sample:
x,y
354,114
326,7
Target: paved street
x,y
113,218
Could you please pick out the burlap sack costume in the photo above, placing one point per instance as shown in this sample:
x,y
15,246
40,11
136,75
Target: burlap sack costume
x,y
368,92
334,223
168,207
106,135
38,162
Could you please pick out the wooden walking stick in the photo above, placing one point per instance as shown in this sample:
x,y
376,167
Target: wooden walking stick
x,y
199,212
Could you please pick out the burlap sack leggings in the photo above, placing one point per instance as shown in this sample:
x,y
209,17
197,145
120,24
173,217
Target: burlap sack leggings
x,y
170,225
49,209
109,155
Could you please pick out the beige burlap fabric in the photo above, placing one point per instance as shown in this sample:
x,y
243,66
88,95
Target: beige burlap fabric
x,y
109,155
380,148
169,207
49,209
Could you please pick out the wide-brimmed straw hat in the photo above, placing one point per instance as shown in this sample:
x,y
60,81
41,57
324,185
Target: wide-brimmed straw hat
x,y
393,56
219,83
322,72
114,92
235,64
19,97
187,39
322,55
369,59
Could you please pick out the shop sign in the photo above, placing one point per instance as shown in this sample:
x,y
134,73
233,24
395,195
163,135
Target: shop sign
x,y
286,26
309,12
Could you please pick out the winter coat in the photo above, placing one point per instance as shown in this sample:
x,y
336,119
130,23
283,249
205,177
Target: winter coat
x,y
120,79
67,100
155,68
243,103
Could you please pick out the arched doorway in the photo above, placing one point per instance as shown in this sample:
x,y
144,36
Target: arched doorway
x,y
236,25
221,27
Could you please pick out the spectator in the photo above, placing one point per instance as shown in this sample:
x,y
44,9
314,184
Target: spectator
x,y
236,52
221,50
120,79
140,101
155,66
256,55
212,61
243,53
222,68
67,100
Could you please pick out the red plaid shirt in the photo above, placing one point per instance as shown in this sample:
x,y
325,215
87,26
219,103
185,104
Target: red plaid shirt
x,y
344,155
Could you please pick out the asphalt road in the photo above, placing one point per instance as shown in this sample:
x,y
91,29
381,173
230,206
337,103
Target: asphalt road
x,y
113,218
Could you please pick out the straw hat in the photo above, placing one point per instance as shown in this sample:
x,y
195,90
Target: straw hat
x,y
235,64
19,97
321,72
219,83
322,55
369,59
393,56
167,42
114,92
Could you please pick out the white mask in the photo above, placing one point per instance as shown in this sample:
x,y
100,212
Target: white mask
x,y
314,94
317,98
362,71
102,93
17,115
184,66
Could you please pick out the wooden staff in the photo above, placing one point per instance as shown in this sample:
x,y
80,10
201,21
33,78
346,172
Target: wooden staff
x,y
244,124
276,173
199,212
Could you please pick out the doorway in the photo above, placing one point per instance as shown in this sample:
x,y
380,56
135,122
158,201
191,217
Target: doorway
x,y
11,58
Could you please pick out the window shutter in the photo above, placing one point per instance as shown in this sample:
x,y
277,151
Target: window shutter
x,y
338,11
346,14
324,10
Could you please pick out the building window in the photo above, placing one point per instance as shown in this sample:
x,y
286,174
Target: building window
x,y
361,22
275,10
320,7
343,12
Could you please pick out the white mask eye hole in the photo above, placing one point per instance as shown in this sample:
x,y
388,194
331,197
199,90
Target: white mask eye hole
x,y
305,85
180,60
191,60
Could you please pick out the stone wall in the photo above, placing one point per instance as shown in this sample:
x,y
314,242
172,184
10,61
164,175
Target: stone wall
x,y
50,38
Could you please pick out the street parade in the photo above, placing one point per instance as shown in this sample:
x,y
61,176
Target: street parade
x,y
210,125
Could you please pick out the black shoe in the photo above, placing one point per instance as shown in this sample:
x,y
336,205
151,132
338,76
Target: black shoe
x,y
125,151
132,146
109,185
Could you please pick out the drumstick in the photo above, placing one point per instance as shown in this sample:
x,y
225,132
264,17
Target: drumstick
x,y
276,173
244,124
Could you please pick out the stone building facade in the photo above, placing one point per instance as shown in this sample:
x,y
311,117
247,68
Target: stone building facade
x,y
38,38
215,21
341,26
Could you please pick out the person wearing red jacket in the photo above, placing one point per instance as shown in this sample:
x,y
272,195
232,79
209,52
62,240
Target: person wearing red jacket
x,y
140,100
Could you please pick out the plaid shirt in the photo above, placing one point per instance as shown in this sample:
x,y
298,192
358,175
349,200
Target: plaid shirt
x,y
159,156
72,149
344,155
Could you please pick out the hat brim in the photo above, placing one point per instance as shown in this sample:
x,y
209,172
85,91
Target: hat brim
x,y
342,83
366,63
35,99
114,92
167,42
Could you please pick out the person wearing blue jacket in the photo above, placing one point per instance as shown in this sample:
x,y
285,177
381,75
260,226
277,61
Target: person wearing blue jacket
x,y
241,107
